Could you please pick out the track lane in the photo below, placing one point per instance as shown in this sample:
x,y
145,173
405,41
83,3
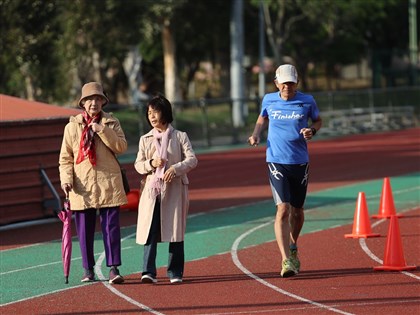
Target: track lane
x,y
333,167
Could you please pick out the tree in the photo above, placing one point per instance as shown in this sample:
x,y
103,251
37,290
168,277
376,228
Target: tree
x,y
97,36
51,47
29,66
330,33
161,13
190,32
203,37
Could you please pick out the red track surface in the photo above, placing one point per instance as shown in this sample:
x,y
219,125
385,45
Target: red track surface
x,y
336,272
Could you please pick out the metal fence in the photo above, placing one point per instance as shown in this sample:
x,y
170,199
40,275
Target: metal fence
x,y
369,98
208,122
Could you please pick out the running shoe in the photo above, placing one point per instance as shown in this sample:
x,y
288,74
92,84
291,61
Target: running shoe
x,y
114,276
288,269
294,259
88,276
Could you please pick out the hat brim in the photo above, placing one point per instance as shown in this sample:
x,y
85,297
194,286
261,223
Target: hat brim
x,y
286,79
101,95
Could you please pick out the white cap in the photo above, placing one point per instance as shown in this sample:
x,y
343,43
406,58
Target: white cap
x,y
286,73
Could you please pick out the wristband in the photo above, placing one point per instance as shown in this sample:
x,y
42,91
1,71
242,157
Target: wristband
x,y
313,131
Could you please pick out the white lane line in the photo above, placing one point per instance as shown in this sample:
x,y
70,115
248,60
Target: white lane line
x,y
113,289
370,197
234,254
49,264
290,310
45,294
363,245
193,215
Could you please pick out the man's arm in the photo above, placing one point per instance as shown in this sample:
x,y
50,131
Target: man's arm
x,y
260,125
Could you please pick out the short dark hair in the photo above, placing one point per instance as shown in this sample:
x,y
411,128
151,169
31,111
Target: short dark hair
x,y
161,104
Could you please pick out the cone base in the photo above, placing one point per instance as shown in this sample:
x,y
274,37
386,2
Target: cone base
x,y
394,268
386,216
361,235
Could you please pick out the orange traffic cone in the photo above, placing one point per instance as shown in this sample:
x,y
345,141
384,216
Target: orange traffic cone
x,y
394,256
361,224
386,205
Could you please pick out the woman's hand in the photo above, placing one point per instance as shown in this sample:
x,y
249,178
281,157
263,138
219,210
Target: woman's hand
x,y
169,175
158,162
96,127
66,188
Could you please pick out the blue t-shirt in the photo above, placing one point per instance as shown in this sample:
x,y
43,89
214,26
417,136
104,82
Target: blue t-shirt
x,y
285,144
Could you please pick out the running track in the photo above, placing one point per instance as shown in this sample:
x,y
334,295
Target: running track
x,y
337,274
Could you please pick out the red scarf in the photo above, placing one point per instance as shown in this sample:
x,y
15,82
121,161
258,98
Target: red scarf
x,y
87,143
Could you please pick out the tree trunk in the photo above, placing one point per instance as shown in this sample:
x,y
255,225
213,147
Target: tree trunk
x,y
30,93
29,84
274,36
96,64
169,61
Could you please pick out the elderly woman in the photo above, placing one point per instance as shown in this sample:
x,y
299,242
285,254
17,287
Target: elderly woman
x,y
91,178
166,156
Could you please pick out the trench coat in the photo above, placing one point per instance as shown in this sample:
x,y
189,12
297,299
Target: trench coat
x,y
174,195
97,186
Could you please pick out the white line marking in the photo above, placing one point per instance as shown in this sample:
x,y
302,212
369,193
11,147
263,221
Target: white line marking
x,y
372,256
51,263
45,294
24,246
190,216
100,275
341,203
234,254
290,310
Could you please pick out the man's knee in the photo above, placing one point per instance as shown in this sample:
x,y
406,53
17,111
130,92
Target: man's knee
x,y
296,212
283,211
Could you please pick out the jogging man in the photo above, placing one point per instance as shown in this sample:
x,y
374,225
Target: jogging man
x,y
287,114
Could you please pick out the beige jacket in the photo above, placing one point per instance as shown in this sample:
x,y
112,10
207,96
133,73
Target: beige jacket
x,y
97,186
174,195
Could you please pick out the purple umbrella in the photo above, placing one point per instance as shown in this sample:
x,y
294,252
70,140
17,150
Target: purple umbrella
x,y
66,244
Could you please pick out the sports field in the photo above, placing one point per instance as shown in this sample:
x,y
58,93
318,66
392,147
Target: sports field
x,y
232,259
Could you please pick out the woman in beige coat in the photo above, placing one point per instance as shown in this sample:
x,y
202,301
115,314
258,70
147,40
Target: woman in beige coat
x,y
166,156
91,178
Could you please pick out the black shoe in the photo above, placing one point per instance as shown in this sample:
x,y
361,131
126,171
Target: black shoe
x,y
176,280
148,278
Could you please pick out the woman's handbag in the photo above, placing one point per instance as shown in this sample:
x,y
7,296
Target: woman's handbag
x,y
124,179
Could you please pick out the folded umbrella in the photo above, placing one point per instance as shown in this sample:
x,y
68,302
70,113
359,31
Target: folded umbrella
x,y
66,244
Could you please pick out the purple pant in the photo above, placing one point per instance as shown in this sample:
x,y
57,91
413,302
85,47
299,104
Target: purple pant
x,y
85,226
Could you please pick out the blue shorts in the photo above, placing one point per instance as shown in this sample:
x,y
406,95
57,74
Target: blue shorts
x,y
289,183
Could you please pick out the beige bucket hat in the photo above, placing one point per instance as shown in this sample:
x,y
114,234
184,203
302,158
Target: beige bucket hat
x,y
92,88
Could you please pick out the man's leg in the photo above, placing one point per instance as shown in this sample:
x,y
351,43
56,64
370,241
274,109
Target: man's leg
x,y
297,217
296,222
282,229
